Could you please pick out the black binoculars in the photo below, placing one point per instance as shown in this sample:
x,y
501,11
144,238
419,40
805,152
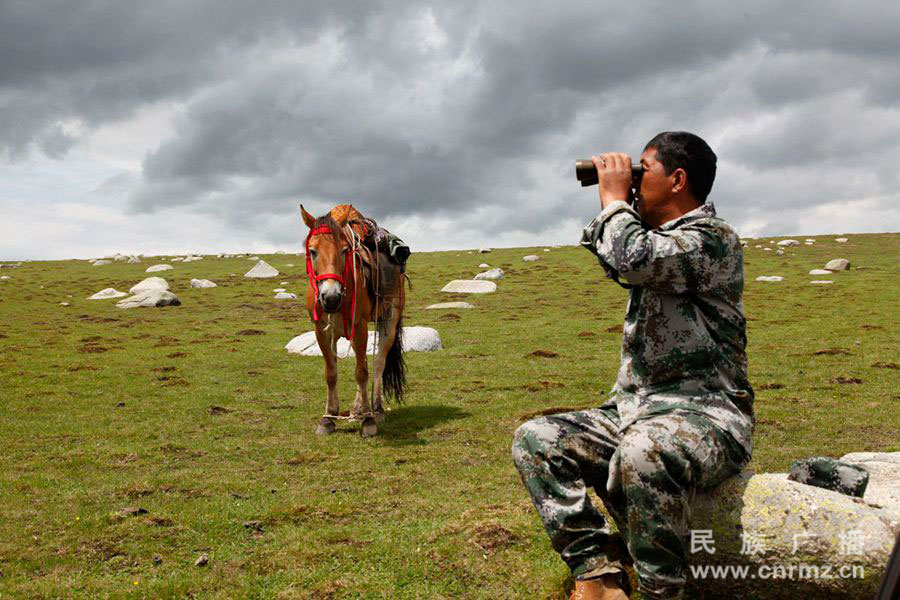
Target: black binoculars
x,y
586,173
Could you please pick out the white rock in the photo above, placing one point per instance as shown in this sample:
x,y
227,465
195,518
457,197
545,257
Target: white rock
x,y
884,476
133,260
285,296
788,243
284,283
156,268
546,249
769,278
779,252
64,304
821,282
493,274
151,283
150,298
98,263
450,305
468,286
254,258
415,339
767,249
289,265
810,240
531,258
838,264
757,246
262,269
177,259
107,293
820,272
202,283
4,277
484,266
276,290
484,250
808,243
840,240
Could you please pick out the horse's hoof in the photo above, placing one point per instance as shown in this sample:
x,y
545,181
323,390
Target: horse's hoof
x,y
369,427
326,426
379,416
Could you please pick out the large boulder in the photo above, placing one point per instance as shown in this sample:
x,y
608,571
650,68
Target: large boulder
x,y
468,286
151,283
262,269
838,264
531,258
776,527
415,339
491,274
150,298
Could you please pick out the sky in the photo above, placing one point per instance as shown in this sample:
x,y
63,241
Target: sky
x,y
200,126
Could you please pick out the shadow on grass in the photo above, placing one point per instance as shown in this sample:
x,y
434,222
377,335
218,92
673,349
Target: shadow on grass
x,y
402,425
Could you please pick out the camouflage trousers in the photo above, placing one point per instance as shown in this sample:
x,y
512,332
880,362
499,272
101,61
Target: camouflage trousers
x,y
645,476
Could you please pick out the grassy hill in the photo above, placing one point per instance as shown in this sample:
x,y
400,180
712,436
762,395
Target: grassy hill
x,y
197,415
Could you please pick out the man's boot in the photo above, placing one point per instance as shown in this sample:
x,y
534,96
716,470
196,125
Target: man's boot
x,y
605,587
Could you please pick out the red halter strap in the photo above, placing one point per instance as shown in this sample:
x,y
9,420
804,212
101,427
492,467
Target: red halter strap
x,y
349,317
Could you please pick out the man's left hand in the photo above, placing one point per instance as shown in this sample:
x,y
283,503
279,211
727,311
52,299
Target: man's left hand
x,y
614,173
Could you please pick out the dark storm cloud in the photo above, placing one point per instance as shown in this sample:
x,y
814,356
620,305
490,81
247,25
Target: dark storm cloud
x,y
411,109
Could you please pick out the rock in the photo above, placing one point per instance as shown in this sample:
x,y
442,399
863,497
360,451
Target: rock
x,y
156,268
884,477
796,525
202,283
808,243
415,339
820,272
133,260
151,283
64,304
493,274
5,277
788,243
810,240
531,258
821,282
546,249
289,265
484,266
757,246
150,298
262,269
276,290
254,258
468,286
841,240
177,259
484,250
779,252
132,511
767,249
202,560
107,293
285,296
450,305
769,278
98,263
838,264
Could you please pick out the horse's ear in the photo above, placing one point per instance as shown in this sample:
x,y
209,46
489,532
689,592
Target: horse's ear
x,y
341,217
307,218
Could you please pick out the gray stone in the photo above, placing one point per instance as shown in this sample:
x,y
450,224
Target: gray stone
x,y
262,269
133,260
99,263
450,305
415,339
150,298
820,272
468,286
531,258
788,243
838,264
107,293
285,296
770,278
202,283
884,477
484,266
493,274
151,283
821,282
779,252
156,268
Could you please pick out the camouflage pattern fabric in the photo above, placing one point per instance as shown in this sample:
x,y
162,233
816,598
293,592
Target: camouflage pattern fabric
x,y
646,478
680,416
830,474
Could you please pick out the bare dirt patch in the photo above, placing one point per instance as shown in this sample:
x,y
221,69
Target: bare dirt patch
x,y
75,368
543,354
615,329
219,410
176,355
450,317
832,352
92,349
770,386
251,332
491,536
886,365
542,385
587,334
845,380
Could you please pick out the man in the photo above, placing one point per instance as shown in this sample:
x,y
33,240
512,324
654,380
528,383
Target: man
x,y
680,417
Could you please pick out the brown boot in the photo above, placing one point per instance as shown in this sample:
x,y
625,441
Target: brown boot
x,y
602,588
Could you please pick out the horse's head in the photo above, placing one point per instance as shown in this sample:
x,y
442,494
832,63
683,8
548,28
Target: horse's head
x,y
328,252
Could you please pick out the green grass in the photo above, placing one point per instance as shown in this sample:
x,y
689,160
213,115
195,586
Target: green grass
x,y
104,409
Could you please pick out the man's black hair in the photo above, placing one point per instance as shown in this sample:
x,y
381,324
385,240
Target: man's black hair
x,y
680,149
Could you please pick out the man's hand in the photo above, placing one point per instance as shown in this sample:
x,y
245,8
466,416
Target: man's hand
x,y
614,173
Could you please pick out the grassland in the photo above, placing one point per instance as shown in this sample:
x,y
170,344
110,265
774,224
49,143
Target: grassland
x,y
198,416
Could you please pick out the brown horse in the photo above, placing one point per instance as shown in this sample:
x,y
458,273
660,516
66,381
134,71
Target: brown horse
x,y
351,285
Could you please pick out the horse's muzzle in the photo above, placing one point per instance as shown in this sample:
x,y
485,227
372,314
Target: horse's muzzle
x,y
331,302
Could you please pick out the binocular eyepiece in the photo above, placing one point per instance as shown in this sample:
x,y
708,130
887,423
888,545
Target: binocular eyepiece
x,y
586,173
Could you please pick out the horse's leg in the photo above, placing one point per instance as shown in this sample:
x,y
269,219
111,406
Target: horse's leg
x,y
386,334
328,346
361,405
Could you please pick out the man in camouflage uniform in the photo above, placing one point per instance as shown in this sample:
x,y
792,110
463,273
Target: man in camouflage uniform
x,y
680,416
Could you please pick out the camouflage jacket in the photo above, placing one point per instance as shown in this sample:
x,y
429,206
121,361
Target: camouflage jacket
x,y
683,348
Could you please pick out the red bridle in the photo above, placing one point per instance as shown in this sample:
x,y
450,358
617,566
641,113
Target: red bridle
x,y
349,275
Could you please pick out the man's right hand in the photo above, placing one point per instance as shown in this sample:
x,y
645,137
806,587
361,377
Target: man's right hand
x,y
614,173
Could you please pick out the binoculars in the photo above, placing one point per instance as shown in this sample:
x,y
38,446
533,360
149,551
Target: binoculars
x,y
586,173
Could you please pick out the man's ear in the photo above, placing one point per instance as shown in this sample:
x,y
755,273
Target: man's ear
x,y
307,218
679,180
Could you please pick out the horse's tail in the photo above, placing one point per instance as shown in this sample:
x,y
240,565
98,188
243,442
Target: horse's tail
x,y
393,378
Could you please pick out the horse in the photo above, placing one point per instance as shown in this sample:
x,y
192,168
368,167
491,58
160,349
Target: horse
x,y
351,285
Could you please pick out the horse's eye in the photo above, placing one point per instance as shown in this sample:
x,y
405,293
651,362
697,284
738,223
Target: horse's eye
x,y
312,253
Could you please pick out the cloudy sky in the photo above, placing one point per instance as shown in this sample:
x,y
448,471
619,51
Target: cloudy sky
x,y
179,126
